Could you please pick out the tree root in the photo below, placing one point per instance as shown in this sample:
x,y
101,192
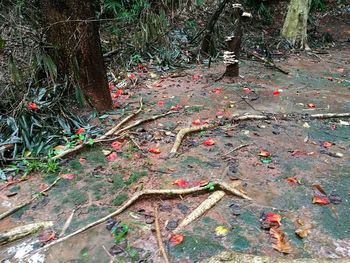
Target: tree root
x,y
22,231
159,237
137,195
183,132
201,209
13,210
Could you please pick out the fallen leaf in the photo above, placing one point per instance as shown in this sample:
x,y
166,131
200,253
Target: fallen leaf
x,y
154,150
264,153
320,200
221,231
266,160
132,76
209,142
116,145
304,229
68,176
32,106
293,180
181,183
106,152
176,239
80,130
279,241
327,144
311,105
112,156
196,122
318,190
47,236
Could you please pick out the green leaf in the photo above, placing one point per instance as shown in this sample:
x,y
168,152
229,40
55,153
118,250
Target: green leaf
x,y
266,160
119,231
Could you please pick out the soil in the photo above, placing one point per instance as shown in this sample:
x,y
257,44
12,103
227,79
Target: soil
x,y
316,83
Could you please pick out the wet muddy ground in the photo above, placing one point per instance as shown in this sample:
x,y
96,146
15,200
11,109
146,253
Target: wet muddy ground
x,y
316,84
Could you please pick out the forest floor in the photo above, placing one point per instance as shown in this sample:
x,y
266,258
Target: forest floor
x,y
305,180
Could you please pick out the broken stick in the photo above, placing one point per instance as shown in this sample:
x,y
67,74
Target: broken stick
x,y
137,195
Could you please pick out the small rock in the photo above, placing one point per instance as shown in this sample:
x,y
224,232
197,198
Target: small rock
x,y
183,208
172,224
165,208
235,209
149,219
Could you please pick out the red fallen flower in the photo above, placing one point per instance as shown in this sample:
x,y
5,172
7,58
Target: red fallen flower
x,y
216,90
163,77
247,90
209,142
82,160
276,92
116,145
32,106
160,103
321,200
330,78
176,107
195,76
154,150
180,183
117,93
80,130
273,218
311,105
47,236
176,239
68,176
116,105
112,156
196,122
264,153
327,144
132,76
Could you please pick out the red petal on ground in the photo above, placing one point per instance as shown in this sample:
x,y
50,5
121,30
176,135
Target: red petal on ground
x,y
273,218
68,176
154,150
176,239
116,145
196,122
209,142
264,153
320,200
32,106
80,130
112,156
181,183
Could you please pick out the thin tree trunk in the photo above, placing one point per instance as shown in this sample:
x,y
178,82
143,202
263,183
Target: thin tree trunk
x,y
72,31
295,23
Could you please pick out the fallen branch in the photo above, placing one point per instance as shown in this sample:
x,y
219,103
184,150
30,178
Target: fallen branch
x,y
236,149
269,63
201,209
183,132
13,210
137,195
66,224
22,231
159,237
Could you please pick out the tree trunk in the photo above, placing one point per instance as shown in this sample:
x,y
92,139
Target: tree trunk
x,y
74,36
295,23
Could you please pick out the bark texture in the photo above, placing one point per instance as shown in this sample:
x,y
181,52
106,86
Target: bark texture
x,y
73,34
295,23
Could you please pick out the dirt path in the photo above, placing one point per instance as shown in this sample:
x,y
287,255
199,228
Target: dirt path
x,y
316,84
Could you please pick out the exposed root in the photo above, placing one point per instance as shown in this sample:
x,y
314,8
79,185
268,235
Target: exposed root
x,y
183,132
137,195
201,209
22,231
13,210
159,237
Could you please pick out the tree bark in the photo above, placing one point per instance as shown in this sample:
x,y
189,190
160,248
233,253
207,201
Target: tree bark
x,y
295,23
73,32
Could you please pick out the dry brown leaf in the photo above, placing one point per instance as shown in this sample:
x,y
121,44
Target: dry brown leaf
x,y
279,241
304,229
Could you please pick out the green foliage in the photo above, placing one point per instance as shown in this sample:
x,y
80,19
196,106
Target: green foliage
x,y
47,167
119,199
318,5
